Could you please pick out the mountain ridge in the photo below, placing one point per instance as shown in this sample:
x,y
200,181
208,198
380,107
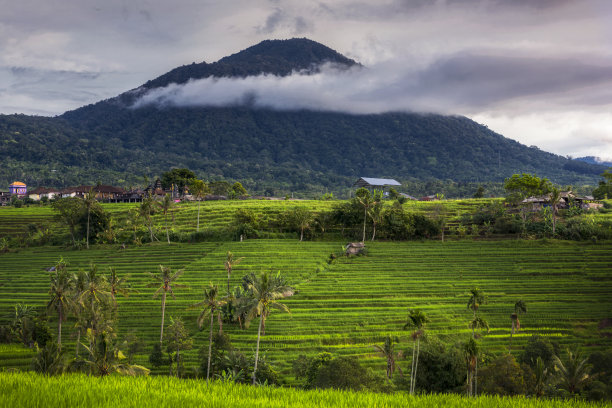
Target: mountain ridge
x,y
284,150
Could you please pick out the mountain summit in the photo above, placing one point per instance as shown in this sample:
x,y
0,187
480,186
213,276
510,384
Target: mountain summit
x,y
276,57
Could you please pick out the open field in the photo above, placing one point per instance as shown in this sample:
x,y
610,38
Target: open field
x,y
353,303
31,390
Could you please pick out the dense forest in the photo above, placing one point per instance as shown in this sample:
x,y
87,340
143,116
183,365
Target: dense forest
x,y
274,152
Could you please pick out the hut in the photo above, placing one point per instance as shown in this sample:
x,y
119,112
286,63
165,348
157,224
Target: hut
x,y
372,183
354,248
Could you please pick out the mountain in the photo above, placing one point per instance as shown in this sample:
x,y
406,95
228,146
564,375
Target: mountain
x,y
267,150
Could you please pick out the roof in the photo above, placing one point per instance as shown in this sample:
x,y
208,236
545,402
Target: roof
x,y
375,182
17,184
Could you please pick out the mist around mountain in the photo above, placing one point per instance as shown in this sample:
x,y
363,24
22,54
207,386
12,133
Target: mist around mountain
x,y
273,151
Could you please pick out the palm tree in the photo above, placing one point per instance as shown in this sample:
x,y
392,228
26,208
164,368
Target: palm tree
x,y
117,286
555,197
89,200
541,373
264,293
22,322
211,303
229,263
95,293
574,372
477,298
145,210
164,282
60,292
198,189
165,205
416,319
78,286
387,350
471,351
519,307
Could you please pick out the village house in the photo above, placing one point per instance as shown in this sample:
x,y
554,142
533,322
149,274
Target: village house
x,y
18,188
567,200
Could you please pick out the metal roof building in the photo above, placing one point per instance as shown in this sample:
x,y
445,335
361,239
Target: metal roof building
x,y
368,182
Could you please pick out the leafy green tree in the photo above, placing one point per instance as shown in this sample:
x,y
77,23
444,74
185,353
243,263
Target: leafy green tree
x,y
479,192
301,219
222,188
104,358
604,189
387,350
520,186
178,338
210,304
574,371
165,281
238,190
23,322
69,211
199,189
178,178
60,300
265,292
416,319
519,307
503,376
165,205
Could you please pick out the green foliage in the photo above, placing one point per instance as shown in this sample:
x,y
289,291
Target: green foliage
x,y
520,186
179,178
604,189
502,376
343,373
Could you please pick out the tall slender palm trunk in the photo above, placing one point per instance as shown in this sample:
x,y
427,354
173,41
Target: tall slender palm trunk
x,y
261,318
416,365
88,214
412,367
59,327
161,336
212,313
198,227
365,217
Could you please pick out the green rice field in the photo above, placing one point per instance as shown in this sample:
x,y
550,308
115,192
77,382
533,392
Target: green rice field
x,y
349,305
31,390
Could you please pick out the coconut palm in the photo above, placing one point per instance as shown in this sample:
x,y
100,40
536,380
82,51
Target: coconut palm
x,y
198,189
165,205
477,298
145,211
574,372
61,300
540,373
210,304
164,282
117,286
375,211
229,264
387,350
265,291
22,322
555,197
416,319
94,294
519,307
365,200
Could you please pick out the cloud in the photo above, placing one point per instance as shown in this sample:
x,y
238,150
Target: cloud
x,y
462,83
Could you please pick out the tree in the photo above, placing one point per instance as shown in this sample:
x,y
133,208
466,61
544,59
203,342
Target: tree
x,y
165,282
471,351
479,192
503,376
604,190
265,291
198,189
364,198
574,372
554,198
61,300
105,358
88,200
117,286
229,264
210,304
177,178
93,297
520,186
416,319
177,338
165,205
519,307
238,190
387,350
69,211
375,211
23,322
477,298
301,218
146,210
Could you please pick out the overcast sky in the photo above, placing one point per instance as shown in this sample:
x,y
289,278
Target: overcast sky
x,y
538,71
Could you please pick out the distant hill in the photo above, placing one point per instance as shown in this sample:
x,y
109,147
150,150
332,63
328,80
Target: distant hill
x,y
594,160
269,151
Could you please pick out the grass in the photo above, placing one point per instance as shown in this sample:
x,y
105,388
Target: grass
x,y
31,390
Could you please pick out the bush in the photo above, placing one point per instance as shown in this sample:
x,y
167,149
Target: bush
x,y
502,376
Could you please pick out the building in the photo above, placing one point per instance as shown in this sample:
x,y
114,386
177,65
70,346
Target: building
x,y
19,188
41,192
378,183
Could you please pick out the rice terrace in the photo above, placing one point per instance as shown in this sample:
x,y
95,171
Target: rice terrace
x,y
349,313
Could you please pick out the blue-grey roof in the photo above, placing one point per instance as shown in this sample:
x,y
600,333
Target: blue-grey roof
x,y
376,182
